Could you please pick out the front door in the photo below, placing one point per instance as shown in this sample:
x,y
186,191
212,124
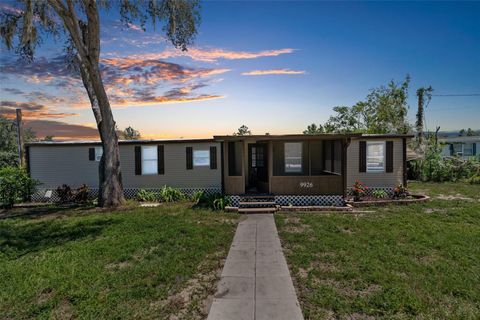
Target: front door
x,y
257,168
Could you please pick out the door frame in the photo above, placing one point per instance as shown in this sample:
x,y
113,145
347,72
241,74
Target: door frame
x,y
257,176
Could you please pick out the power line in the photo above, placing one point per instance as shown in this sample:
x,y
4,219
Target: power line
x,y
457,95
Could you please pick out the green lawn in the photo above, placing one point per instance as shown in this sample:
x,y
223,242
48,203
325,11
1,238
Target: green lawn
x,y
140,263
399,262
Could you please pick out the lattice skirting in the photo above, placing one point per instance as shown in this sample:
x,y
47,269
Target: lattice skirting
x,y
130,193
287,200
320,200
370,190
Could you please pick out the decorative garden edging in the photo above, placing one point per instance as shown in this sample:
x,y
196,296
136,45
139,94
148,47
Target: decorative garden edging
x,y
347,207
417,198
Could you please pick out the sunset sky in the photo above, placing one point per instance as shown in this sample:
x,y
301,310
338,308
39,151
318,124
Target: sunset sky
x,y
273,66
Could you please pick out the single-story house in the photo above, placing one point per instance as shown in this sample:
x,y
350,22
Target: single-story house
x,y
464,147
295,169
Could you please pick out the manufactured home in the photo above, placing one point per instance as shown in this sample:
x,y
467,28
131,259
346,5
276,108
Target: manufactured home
x,y
463,147
294,169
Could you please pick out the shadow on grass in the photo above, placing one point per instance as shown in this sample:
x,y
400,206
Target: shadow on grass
x,y
17,240
43,211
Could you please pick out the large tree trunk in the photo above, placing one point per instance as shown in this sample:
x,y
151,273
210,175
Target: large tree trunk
x,y
110,176
86,38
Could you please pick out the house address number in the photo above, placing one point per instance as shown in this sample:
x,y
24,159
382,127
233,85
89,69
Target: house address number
x,y
306,184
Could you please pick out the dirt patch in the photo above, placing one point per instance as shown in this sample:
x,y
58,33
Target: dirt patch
x,y
293,220
453,197
44,296
194,299
297,228
348,290
118,266
359,316
435,210
63,310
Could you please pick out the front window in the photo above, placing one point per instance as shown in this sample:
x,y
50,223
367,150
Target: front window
x,y
149,160
375,156
98,153
201,158
293,157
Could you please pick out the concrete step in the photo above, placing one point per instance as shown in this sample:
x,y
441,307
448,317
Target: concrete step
x,y
256,203
257,210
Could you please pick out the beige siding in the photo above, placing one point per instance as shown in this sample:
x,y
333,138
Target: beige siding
x,y
56,165
375,179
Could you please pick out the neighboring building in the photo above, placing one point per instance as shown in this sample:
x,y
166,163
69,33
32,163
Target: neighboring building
x,y
296,169
464,147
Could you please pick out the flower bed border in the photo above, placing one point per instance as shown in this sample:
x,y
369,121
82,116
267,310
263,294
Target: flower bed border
x,y
418,198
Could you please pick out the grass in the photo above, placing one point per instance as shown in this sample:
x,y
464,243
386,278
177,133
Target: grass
x,y
141,263
399,262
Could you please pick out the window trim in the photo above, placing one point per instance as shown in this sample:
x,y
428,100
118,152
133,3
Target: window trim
x,y
290,172
383,170
153,159
207,163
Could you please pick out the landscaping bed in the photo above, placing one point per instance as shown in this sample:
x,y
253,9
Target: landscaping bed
x,y
371,201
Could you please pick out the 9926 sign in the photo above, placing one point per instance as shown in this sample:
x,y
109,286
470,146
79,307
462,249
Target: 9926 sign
x,y
306,184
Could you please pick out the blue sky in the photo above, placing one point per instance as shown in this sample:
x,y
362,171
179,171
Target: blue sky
x,y
317,55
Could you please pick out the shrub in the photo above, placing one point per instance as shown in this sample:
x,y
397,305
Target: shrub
x,y
169,194
379,194
196,196
215,201
358,191
474,179
400,192
15,185
81,194
145,195
64,193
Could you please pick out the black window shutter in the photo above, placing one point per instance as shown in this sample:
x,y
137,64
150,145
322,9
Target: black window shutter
x,y
138,160
389,157
91,154
189,158
362,156
474,151
213,157
161,159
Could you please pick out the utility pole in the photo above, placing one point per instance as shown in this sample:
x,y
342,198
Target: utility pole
x,y
20,137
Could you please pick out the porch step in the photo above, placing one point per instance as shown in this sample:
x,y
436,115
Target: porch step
x,y
256,203
257,210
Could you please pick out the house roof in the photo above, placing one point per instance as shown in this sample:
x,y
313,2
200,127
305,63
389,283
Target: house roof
x,y
121,142
292,137
460,139
311,137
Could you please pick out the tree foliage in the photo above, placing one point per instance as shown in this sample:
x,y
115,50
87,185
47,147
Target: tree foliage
x,y
314,129
384,110
243,131
8,141
424,96
130,134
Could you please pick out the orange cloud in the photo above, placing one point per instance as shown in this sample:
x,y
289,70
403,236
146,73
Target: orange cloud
x,y
273,71
163,100
212,55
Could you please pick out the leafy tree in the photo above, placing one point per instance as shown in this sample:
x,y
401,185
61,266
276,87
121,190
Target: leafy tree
x,y
469,132
130,134
424,96
79,22
383,111
242,131
8,141
48,138
346,120
313,129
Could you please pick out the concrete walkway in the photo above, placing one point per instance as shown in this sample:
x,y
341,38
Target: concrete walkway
x,y
255,282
